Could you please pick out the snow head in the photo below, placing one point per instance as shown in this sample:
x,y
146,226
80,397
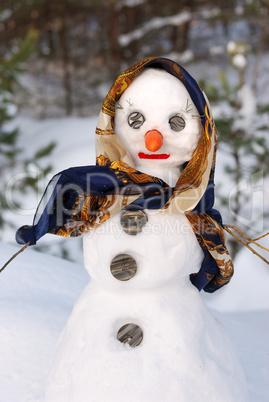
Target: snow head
x,y
158,124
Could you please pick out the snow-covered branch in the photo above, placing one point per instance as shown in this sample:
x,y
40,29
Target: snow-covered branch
x,y
129,3
155,23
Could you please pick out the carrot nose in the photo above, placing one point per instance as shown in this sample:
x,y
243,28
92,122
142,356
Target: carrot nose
x,y
153,140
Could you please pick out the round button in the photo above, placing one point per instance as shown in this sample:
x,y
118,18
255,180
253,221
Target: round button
x,y
123,267
131,334
133,221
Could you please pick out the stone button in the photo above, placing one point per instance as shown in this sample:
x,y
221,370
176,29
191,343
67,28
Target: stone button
x,y
131,334
133,221
123,267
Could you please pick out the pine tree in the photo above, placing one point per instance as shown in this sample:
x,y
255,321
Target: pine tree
x,y
10,163
243,127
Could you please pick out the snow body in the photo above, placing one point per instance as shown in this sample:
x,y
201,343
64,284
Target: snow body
x,y
185,354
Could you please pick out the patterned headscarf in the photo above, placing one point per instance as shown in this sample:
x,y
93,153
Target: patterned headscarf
x,y
80,199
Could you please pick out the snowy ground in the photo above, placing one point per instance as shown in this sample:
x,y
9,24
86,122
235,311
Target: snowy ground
x,y
38,291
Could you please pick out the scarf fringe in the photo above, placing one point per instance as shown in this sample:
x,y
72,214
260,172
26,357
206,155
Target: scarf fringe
x,y
246,241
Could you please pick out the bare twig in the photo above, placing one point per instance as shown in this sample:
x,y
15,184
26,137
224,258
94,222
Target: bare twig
x,y
14,256
247,240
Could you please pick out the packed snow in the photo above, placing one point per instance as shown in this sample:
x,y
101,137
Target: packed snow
x,y
38,292
37,295
248,108
129,3
239,61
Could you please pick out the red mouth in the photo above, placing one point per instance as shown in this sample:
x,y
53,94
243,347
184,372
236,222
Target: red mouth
x,y
153,156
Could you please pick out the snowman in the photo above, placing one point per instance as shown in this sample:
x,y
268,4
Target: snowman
x,y
140,330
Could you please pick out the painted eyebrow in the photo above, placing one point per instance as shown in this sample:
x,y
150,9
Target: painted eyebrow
x,y
189,107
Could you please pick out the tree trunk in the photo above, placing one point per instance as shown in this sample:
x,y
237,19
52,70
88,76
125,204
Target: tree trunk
x,y
113,31
48,31
65,58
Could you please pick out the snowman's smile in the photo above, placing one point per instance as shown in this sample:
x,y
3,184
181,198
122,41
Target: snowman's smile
x,y
153,156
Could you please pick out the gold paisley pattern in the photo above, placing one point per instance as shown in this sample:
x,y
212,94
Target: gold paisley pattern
x,y
94,211
104,132
191,176
101,160
192,183
127,173
205,227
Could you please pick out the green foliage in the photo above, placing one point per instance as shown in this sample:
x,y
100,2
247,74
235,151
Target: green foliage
x,y
224,83
41,153
245,144
12,161
9,138
224,127
263,108
14,62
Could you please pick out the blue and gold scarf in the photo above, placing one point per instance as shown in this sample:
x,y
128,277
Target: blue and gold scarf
x,y
79,199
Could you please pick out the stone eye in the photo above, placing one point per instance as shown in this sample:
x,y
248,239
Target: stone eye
x,y
135,120
177,123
